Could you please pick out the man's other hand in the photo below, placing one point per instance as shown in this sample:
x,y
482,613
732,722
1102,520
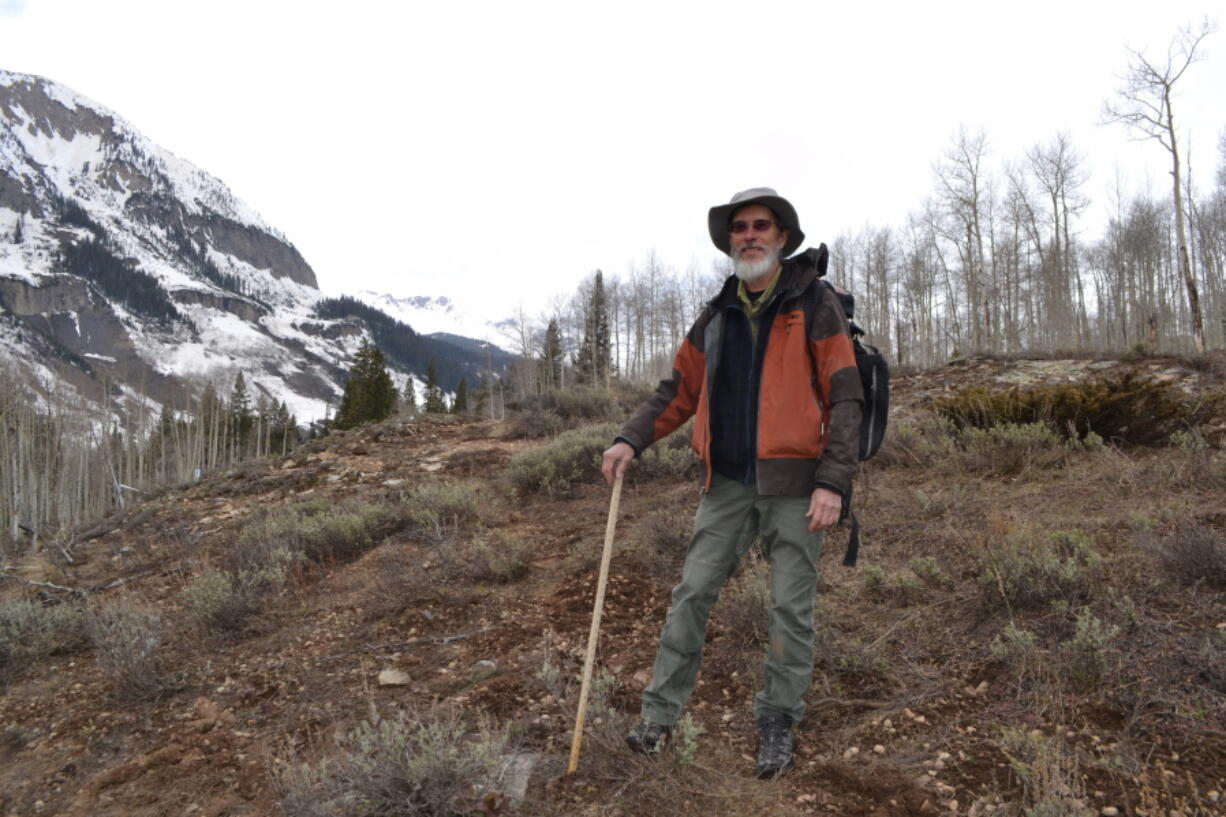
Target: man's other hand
x,y
616,458
825,507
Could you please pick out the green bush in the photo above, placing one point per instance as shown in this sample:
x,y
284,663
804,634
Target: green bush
x,y
424,764
1128,409
559,466
1030,571
29,631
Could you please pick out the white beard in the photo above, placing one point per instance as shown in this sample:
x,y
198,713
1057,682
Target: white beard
x,y
750,271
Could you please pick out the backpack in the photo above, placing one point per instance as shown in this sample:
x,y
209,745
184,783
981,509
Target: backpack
x,y
874,377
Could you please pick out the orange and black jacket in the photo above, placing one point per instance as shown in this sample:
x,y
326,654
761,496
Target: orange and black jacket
x,y
783,411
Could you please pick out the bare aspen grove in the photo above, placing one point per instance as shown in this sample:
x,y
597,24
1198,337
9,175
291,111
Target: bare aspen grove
x,y
61,464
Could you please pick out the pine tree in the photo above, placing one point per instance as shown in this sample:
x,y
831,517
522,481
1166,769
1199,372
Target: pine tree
x,y
370,394
241,417
18,233
410,395
551,357
596,351
460,406
434,395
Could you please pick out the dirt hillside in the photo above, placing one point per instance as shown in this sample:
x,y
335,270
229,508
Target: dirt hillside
x,y
1036,627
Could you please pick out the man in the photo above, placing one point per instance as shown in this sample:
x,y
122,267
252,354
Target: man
x,y
768,369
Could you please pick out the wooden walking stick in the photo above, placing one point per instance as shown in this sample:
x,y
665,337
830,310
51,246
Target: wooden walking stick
x,y
594,635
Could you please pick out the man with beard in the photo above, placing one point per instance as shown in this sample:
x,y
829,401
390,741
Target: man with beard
x,y
769,373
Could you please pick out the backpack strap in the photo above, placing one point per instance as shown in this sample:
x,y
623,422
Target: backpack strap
x,y
820,257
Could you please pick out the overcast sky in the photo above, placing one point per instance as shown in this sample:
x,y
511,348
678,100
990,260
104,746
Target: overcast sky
x,y
497,152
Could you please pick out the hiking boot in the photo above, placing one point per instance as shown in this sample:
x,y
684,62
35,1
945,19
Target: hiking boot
x,y
649,738
774,744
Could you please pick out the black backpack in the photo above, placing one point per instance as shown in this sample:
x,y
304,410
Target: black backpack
x,y
874,377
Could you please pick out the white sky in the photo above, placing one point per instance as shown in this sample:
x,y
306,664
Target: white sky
x,y
497,152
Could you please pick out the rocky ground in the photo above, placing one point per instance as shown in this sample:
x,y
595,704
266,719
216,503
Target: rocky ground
x,y
912,710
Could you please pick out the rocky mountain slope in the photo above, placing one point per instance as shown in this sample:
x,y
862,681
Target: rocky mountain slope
x,y
121,264
1035,628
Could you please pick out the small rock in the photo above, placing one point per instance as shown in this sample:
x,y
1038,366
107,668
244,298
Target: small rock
x,y
393,483
1214,796
393,678
642,677
879,749
1110,811
516,774
728,716
481,670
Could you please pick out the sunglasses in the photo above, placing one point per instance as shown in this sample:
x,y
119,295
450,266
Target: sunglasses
x,y
760,225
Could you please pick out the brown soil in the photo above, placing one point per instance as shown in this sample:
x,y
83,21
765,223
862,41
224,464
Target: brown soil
x,y
914,728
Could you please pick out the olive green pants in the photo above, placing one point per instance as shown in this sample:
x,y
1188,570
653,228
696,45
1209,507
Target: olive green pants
x,y
729,517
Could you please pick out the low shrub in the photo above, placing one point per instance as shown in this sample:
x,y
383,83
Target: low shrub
x,y
658,542
1018,648
549,413
671,458
561,465
226,601
929,572
1030,570
1084,659
1009,450
318,530
440,512
495,558
918,442
129,639
861,669
30,631
421,764
1048,771
898,589
1127,409
1195,554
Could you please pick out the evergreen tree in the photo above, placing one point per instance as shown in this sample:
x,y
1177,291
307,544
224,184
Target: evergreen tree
x,y
241,418
595,362
434,395
551,357
370,394
18,233
410,395
460,406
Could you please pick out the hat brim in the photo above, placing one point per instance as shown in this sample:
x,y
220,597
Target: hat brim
x,y
720,215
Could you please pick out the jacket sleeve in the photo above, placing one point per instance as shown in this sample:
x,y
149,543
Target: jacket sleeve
x,y
676,397
839,389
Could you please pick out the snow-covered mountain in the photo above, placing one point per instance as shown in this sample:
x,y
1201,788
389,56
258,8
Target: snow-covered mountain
x,y
435,316
121,264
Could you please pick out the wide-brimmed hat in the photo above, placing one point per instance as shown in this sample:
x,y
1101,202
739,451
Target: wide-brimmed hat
x,y
721,215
